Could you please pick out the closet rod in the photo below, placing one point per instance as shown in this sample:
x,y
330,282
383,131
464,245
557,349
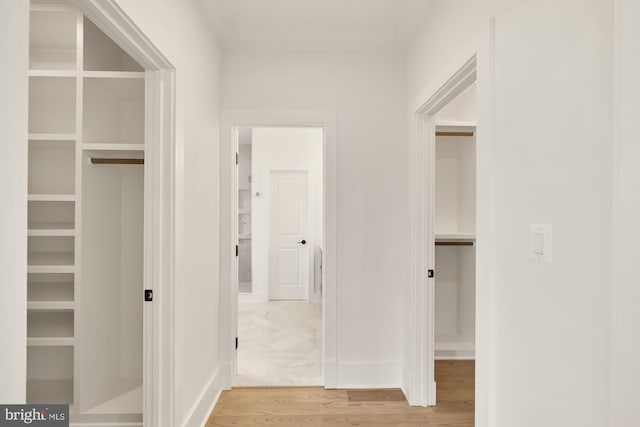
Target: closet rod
x,y
105,161
455,244
455,133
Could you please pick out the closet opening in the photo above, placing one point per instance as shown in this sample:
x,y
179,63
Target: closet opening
x,y
279,238
99,217
442,334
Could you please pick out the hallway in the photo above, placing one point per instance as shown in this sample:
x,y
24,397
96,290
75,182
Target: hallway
x,y
315,406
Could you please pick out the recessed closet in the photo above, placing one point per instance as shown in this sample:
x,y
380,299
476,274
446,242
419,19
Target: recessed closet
x,y
245,286
455,226
85,220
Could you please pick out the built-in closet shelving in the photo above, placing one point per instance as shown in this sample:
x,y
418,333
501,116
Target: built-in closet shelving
x,y
455,217
86,100
244,212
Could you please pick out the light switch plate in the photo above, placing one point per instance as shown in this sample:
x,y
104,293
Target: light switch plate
x,y
540,239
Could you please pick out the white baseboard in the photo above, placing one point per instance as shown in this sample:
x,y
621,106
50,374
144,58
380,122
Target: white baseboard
x,y
330,374
247,297
369,374
207,400
407,376
226,375
455,351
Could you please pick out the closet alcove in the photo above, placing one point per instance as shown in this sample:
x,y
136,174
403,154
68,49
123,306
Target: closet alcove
x,y
85,220
455,228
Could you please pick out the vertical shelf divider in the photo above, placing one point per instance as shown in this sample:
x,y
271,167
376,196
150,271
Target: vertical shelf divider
x,y
78,191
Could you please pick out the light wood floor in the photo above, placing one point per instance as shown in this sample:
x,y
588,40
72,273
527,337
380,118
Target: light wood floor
x,y
315,406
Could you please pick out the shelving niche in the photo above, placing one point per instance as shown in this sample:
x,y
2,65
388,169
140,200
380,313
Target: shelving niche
x,y
52,40
85,220
455,254
52,105
52,167
244,212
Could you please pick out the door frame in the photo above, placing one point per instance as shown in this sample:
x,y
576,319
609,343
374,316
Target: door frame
x,y
419,382
230,120
309,269
159,205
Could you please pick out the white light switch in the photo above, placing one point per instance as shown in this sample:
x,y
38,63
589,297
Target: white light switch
x,y
540,243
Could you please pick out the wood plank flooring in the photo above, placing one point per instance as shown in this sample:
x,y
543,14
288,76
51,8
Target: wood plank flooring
x,y
315,406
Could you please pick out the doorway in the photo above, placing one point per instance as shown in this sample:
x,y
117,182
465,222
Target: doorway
x,y
280,244
230,121
444,227
103,226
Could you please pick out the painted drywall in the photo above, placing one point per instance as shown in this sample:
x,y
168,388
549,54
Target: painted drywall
x,y
284,149
462,109
367,92
543,330
625,339
191,48
14,42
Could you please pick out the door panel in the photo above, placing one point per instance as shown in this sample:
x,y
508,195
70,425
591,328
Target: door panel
x,y
288,257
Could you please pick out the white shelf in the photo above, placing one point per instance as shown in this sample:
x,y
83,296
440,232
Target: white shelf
x,y
114,74
50,342
51,197
52,73
244,236
51,232
50,305
244,211
38,269
91,146
456,124
52,137
455,237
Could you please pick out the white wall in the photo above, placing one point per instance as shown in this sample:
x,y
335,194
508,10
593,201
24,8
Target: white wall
x,y
284,149
462,109
191,48
14,42
543,329
367,92
625,371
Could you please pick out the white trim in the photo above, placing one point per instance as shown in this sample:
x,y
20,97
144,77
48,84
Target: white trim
x,y
247,297
228,280
200,411
52,137
420,386
158,388
368,375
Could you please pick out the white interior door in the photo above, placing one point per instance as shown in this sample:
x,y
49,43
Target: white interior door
x,y
288,239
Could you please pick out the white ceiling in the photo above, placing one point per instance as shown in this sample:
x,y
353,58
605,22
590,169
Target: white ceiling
x,y
333,25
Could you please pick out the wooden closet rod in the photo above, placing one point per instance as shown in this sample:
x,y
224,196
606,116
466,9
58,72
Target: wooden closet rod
x,y
455,244
104,161
455,133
